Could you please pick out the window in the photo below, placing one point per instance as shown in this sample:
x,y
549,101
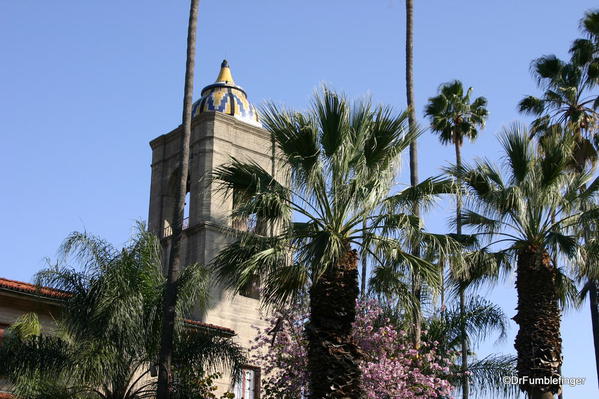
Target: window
x,y
186,210
248,386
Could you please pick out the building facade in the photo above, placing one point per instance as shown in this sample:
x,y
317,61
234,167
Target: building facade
x,y
18,298
225,125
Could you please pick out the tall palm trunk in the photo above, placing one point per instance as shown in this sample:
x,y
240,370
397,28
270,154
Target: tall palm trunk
x,y
442,277
364,263
410,89
580,159
463,337
538,342
332,354
174,258
416,283
594,303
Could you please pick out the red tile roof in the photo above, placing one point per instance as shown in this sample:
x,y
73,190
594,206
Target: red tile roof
x,y
13,285
4,395
32,289
209,326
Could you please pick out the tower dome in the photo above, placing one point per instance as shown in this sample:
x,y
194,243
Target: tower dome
x,y
226,97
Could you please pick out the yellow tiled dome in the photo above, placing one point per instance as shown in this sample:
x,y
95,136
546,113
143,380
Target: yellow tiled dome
x,y
225,96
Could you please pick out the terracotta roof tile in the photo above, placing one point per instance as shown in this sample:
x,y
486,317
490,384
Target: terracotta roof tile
x,y
4,395
209,326
20,286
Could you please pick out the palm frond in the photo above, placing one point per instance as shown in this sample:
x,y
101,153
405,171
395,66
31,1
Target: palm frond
x,y
488,375
422,194
518,151
202,351
332,110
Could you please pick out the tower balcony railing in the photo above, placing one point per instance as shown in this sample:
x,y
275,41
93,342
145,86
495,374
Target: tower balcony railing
x,y
168,229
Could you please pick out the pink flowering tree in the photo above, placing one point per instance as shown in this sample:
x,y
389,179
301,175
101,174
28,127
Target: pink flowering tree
x,y
390,366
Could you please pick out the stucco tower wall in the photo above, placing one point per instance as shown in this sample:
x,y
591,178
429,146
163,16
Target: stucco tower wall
x,y
216,137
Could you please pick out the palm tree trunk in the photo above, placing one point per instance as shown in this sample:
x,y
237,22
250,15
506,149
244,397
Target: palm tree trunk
x,y
174,258
594,303
273,170
463,336
410,90
332,354
442,276
554,261
464,345
416,283
538,342
363,260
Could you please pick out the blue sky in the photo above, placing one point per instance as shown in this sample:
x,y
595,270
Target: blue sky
x,y
86,85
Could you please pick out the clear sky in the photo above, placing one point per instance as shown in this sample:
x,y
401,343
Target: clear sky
x,y
86,85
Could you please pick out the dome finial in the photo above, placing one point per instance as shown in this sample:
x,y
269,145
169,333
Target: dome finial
x,y
226,97
225,73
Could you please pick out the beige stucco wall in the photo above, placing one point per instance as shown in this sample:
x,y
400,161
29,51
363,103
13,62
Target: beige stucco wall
x,y
216,138
15,304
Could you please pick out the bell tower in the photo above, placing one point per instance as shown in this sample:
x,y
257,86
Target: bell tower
x,y
224,125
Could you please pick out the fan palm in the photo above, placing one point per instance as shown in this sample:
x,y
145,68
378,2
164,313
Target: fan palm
x,y
391,283
533,209
585,51
566,101
107,340
569,107
481,319
341,162
454,117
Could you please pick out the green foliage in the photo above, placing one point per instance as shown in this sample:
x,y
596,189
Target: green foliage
x,y
569,101
108,336
341,160
481,319
540,200
195,384
453,116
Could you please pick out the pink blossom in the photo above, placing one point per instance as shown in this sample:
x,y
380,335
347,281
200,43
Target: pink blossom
x,y
391,367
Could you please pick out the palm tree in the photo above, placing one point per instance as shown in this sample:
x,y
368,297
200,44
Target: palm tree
x,y
566,101
416,284
481,319
585,51
341,161
107,341
569,107
533,208
455,118
174,258
391,283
